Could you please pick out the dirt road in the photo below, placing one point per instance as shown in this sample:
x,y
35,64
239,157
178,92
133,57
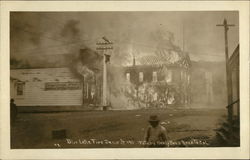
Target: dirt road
x,y
110,128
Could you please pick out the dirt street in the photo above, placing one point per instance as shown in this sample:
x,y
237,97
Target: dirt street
x,y
103,129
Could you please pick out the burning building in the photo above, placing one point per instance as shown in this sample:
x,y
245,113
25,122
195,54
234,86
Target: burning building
x,y
46,87
78,84
158,81
53,87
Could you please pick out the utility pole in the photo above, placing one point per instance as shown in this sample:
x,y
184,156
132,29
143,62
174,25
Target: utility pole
x,y
229,80
104,46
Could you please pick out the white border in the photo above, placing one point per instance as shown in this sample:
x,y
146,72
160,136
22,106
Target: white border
x,y
179,153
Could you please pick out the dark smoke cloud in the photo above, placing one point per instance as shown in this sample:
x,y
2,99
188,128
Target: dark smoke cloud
x,y
89,58
86,63
116,25
23,31
31,33
71,30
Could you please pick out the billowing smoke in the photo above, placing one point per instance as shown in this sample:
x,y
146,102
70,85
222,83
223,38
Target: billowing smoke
x,y
36,44
22,38
71,30
116,88
39,41
86,63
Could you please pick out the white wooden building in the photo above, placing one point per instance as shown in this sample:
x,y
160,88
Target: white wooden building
x,y
45,87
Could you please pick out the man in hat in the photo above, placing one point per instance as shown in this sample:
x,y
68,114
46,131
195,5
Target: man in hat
x,y
156,134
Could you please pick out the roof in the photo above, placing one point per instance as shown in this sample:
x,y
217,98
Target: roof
x,y
166,57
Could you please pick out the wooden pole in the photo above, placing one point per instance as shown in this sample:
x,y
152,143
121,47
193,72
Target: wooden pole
x,y
228,72
229,81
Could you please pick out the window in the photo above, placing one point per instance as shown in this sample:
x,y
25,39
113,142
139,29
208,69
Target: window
x,y
168,77
19,89
128,77
154,76
140,76
188,79
183,75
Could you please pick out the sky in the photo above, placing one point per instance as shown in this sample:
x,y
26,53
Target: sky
x,y
38,34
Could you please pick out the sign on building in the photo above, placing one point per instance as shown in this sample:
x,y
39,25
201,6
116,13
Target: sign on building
x,y
62,86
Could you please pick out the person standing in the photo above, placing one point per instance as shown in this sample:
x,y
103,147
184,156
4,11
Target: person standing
x,y
156,134
13,111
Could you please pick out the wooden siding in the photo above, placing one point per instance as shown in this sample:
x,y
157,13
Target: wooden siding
x,y
34,87
235,84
